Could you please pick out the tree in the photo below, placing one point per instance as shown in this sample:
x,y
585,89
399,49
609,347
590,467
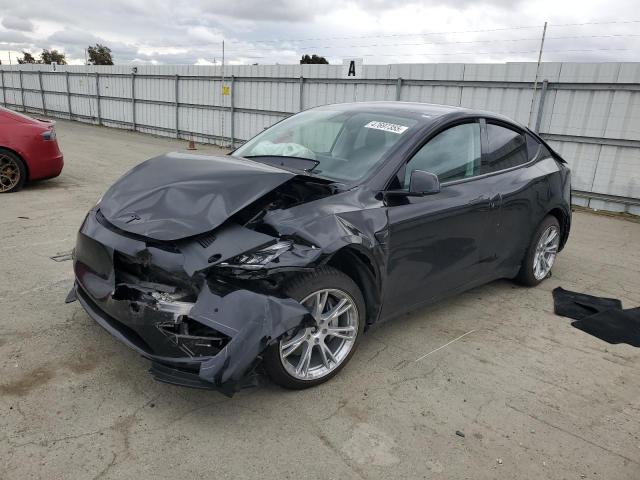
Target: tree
x,y
26,58
100,55
315,59
50,56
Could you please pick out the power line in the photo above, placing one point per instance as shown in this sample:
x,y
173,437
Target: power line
x,y
370,45
241,51
430,54
521,27
252,41
293,40
592,23
494,53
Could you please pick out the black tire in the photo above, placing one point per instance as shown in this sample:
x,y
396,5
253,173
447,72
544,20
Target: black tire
x,y
21,170
525,275
299,288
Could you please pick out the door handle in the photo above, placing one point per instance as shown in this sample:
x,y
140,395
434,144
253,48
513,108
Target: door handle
x,y
479,201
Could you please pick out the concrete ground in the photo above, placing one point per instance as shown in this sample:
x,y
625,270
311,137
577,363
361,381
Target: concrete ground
x,y
534,397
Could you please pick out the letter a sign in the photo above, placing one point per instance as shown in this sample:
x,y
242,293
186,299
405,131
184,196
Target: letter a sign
x,y
352,68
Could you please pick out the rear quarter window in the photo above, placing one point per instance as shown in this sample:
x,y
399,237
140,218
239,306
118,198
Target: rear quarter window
x,y
533,147
506,148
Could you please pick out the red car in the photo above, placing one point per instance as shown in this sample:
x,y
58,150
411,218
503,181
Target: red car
x,y
28,150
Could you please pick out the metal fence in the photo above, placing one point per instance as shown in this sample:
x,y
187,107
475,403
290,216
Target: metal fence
x,y
590,113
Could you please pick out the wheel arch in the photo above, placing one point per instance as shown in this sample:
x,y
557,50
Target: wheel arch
x,y
358,264
564,219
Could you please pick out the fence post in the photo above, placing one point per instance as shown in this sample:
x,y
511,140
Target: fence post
x,y
4,91
177,107
543,94
232,107
300,104
44,106
398,88
133,100
68,95
24,108
98,97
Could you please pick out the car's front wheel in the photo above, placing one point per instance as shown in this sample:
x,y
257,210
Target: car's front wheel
x,y
541,254
312,355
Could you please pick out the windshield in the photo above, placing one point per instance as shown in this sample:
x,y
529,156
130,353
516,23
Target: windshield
x,y
342,145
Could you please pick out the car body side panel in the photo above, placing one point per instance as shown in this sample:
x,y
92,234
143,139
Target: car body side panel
x,y
528,194
354,220
435,243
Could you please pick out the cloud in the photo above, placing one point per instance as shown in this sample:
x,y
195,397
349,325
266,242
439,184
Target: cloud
x,y
16,23
260,10
10,37
73,37
280,31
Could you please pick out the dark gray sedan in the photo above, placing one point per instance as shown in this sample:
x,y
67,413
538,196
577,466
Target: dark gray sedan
x,y
279,256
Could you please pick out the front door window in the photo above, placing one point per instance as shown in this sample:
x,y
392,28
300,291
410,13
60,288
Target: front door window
x,y
452,155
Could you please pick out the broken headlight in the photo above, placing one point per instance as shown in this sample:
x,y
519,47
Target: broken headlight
x,y
259,258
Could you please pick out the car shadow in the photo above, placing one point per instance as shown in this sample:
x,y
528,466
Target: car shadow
x,y
50,184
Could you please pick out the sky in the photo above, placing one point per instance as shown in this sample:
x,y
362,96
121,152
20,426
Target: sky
x,y
280,31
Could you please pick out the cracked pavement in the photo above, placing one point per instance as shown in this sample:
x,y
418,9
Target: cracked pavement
x,y
525,387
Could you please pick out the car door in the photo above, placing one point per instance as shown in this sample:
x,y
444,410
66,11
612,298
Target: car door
x,y
516,162
437,242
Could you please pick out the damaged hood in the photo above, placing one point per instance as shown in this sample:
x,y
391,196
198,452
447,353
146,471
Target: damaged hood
x,y
179,195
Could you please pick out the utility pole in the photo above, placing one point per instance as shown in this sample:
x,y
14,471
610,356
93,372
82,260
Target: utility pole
x,y
222,96
535,81
223,70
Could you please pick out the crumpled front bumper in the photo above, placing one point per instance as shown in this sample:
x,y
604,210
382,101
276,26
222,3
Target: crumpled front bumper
x,y
249,320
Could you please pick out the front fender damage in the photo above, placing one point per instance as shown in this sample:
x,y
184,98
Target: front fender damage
x,y
253,321
205,322
149,297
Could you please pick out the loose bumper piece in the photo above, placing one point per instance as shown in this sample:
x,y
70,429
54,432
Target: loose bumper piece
x,y
248,321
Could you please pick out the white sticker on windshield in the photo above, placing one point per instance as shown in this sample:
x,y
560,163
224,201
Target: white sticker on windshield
x,y
387,127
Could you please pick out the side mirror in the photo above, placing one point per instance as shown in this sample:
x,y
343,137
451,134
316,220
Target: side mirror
x,y
423,183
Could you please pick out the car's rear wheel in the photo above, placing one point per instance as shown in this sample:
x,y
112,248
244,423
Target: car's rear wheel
x,y
13,173
541,254
310,356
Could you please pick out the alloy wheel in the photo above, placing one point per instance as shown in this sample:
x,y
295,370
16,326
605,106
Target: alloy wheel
x,y
9,173
314,352
546,252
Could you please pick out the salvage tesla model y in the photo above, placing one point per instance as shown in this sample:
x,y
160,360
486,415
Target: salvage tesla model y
x,y
282,253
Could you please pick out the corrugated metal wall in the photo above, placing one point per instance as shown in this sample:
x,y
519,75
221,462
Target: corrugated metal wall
x,y
590,113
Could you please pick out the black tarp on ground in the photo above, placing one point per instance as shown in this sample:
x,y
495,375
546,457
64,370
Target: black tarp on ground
x,y
580,305
601,317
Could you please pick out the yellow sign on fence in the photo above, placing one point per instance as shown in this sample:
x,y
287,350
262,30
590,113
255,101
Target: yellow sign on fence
x,y
226,90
